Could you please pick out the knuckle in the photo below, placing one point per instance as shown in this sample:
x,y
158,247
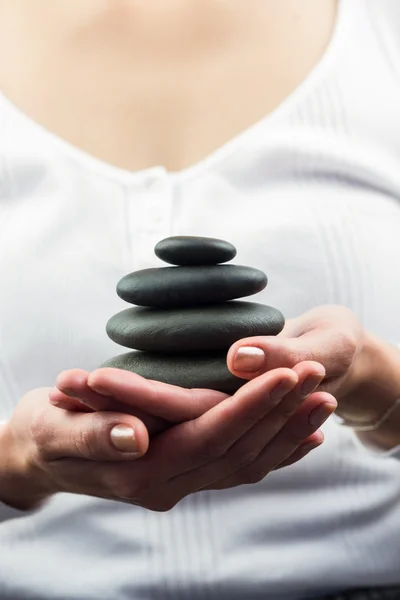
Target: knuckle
x,y
38,429
299,355
43,436
346,347
83,441
348,344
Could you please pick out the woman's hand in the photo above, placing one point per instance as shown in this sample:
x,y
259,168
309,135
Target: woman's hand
x,y
110,389
268,423
159,406
43,449
331,335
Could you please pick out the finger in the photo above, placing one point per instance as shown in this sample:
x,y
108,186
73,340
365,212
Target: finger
x,y
312,443
231,469
289,440
76,393
160,459
311,374
207,438
250,357
169,402
61,400
310,417
73,384
92,436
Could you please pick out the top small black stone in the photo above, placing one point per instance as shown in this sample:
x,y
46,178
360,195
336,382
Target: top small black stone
x,y
194,251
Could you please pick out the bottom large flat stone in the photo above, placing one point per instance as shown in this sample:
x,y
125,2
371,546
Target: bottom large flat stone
x,y
203,370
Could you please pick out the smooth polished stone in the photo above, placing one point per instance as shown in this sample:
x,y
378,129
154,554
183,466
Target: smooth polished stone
x,y
195,329
191,250
207,370
184,286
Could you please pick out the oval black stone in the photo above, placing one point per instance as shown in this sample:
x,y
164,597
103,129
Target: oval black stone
x,y
190,250
201,370
183,286
195,329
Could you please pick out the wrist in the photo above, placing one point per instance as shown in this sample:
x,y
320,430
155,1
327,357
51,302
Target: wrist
x,y
374,384
21,485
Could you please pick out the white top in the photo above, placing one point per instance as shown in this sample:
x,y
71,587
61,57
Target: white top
x,y
311,195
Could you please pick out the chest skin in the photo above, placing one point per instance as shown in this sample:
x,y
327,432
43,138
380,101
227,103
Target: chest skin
x,y
141,84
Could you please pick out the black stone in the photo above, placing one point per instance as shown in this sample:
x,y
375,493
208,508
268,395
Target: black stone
x,y
191,250
207,328
199,370
184,286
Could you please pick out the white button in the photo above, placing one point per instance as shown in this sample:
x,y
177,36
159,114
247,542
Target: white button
x,y
155,186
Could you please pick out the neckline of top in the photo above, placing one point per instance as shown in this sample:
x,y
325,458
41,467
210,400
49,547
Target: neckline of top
x,y
108,170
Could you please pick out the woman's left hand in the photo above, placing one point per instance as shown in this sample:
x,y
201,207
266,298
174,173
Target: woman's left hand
x,y
330,335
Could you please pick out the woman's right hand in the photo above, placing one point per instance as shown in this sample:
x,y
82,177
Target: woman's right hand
x,y
45,449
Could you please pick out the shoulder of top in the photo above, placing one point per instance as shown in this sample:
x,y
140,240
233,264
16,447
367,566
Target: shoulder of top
x,y
384,16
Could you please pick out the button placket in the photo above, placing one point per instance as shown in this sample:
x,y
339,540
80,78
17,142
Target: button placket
x,y
152,218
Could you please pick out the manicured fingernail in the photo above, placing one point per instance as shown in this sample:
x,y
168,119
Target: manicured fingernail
x,y
320,414
248,359
310,384
281,390
123,438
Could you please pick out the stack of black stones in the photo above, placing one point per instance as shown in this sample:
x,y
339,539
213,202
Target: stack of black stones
x,y
186,316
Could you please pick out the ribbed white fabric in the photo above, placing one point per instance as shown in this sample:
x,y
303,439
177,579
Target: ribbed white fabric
x,y
311,194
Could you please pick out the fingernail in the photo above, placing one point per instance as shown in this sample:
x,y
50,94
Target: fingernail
x,y
320,414
248,359
310,384
123,438
281,390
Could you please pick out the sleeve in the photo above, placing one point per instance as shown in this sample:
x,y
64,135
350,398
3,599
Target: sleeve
x,y
384,16
366,447
392,453
369,447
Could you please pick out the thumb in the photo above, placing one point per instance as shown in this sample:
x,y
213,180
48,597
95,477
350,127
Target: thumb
x,y
250,357
97,436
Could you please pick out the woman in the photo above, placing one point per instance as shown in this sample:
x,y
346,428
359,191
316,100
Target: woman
x,y
269,124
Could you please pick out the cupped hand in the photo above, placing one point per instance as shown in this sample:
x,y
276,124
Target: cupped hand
x,y
158,405
43,450
331,335
268,423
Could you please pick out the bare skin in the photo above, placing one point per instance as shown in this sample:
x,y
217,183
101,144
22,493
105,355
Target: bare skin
x,y
139,74
222,442
120,79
